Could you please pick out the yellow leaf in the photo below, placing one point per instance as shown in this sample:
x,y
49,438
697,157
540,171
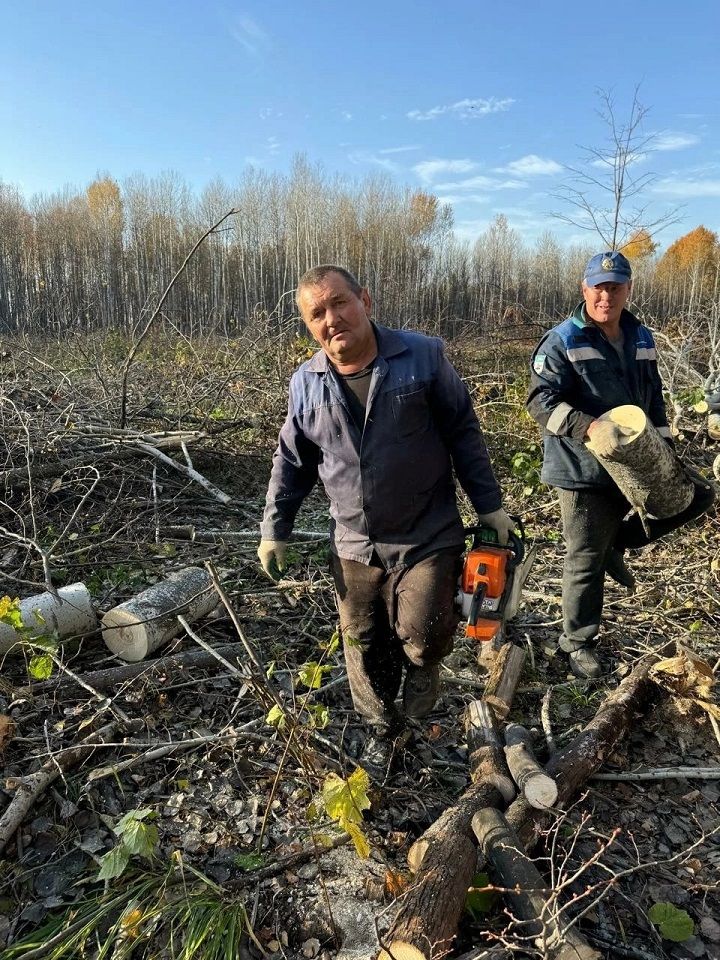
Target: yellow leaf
x,y
360,842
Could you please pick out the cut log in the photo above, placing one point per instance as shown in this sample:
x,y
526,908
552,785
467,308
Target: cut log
x,y
503,679
535,913
70,616
444,858
430,912
645,468
135,628
485,750
571,767
539,789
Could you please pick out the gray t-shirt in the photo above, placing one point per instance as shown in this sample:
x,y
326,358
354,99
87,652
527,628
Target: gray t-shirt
x,y
356,387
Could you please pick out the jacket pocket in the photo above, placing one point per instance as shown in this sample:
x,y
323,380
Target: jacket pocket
x,y
411,413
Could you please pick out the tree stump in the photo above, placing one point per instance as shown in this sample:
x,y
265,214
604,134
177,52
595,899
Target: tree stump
x,y
135,628
645,468
504,677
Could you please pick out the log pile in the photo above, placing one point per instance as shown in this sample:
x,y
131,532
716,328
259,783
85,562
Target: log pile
x,y
445,858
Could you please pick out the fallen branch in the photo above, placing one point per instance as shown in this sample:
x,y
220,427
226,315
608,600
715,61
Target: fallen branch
x,y
29,788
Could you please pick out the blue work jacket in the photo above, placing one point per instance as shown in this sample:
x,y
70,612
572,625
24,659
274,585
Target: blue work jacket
x,y
576,376
390,484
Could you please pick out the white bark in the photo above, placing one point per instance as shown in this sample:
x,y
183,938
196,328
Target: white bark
x,y
645,468
139,626
70,616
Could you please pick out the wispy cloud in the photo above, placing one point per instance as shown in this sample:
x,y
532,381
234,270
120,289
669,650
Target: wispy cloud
x,y
427,170
346,115
249,34
407,149
674,141
465,109
270,113
374,159
460,198
531,165
687,189
481,182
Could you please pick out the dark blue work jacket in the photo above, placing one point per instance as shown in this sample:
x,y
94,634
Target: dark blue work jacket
x,y
576,376
390,485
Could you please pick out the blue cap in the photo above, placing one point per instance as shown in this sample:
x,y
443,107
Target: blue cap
x,y
610,267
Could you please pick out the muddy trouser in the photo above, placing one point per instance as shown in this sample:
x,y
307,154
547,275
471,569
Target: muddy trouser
x,y
389,620
593,525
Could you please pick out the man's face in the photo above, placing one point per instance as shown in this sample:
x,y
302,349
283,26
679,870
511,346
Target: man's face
x,y
604,303
338,319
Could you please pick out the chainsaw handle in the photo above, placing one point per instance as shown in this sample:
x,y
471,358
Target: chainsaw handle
x,y
516,544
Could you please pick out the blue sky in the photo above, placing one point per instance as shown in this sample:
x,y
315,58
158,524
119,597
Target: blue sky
x,y
483,104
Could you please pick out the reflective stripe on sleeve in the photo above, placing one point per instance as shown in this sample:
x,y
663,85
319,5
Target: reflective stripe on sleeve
x,y
645,353
557,418
575,354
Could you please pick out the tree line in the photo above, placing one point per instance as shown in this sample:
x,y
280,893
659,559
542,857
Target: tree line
x,y
99,258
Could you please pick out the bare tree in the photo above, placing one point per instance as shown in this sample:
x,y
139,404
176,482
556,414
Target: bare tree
x,y
605,190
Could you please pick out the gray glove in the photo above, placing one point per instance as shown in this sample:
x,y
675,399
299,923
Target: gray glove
x,y
499,521
272,557
605,438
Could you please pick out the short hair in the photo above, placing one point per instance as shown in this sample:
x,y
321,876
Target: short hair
x,y
317,274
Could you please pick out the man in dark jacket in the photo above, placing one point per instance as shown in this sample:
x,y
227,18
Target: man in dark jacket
x,y
597,359
382,418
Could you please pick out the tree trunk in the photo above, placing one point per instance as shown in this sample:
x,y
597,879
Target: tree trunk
x,y
645,469
72,615
530,901
503,679
135,628
539,789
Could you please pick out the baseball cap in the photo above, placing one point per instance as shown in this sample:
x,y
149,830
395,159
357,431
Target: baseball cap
x,y
609,267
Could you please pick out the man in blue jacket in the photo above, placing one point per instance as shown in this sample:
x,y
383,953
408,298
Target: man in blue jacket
x,y
381,418
597,359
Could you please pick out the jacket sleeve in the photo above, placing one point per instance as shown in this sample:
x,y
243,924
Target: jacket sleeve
x,y
657,412
552,387
294,472
460,429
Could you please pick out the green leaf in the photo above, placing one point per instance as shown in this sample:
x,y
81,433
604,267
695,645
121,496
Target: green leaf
x,y
38,617
330,646
41,666
113,863
672,922
140,839
10,613
319,715
480,900
276,717
249,861
311,674
344,800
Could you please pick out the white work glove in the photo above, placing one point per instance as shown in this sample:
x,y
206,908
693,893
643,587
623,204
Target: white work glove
x,y
605,438
499,521
272,557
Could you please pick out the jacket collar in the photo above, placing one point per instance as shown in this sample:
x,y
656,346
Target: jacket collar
x,y
389,342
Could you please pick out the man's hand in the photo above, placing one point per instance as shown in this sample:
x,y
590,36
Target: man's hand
x,y
499,521
605,438
272,557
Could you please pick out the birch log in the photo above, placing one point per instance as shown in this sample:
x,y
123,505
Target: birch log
x,y
70,616
645,468
540,790
139,626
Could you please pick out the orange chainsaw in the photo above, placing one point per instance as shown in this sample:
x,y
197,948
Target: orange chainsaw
x,y
491,581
